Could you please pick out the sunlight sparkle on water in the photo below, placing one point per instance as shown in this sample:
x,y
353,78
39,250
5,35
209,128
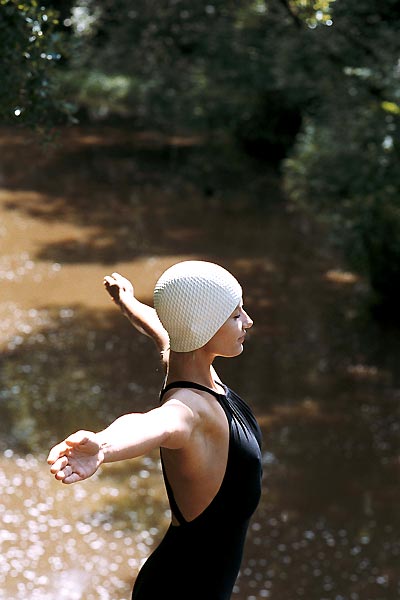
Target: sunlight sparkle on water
x,y
50,525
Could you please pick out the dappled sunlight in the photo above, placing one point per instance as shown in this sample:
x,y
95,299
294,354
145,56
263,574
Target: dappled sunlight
x,y
369,373
324,386
341,277
80,541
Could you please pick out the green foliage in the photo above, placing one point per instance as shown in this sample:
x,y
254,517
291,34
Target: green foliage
x,y
345,166
100,93
172,54
29,48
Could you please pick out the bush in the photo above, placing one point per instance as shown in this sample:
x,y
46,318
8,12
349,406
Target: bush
x,y
347,173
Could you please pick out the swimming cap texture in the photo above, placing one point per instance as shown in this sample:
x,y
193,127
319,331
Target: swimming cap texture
x,y
193,299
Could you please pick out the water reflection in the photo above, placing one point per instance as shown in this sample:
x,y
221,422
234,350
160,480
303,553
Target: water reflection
x,y
323,378
75,542
70,364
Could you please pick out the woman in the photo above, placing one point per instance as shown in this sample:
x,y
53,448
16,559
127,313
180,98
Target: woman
x,y
208,438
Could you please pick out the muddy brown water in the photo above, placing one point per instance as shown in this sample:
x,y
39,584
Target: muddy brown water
x,y
321,375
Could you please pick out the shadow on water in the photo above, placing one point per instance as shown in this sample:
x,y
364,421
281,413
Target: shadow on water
x,y
323,378
133,195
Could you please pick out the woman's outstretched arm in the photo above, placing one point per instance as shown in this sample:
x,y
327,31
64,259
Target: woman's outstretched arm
x,y
142,316
81,454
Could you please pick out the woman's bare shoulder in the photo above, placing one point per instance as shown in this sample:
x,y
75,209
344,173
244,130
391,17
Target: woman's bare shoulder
x,y
203,404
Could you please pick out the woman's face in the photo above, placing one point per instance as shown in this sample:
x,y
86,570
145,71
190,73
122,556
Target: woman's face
x,y
229,339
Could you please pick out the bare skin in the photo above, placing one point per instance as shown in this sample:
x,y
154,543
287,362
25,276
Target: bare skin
x,y
190,426
143,317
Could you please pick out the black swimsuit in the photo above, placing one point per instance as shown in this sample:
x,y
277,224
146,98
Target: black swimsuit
x,y
200,559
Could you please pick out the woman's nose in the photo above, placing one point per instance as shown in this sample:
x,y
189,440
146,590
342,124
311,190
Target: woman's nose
x,y
248,323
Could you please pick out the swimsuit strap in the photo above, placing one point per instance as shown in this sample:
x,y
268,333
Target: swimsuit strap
x,y
189,384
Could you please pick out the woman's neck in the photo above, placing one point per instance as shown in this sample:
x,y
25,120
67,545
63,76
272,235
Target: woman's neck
x,y
190,366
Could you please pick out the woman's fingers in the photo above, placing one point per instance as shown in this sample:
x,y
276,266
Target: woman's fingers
x,y
83,442
64,472
57,452
118,287
79,438
59,465
67,470
119,278
72,478
112,288
76,458
68,475
122,282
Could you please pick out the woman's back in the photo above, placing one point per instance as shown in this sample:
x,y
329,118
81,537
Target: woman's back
x,y
195,471
200,557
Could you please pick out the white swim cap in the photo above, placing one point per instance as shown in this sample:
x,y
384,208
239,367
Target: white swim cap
x,y
193,299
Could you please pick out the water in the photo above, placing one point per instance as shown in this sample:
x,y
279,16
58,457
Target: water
x,y
322,377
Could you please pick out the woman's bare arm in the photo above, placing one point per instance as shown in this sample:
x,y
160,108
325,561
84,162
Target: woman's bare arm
x,y
143,317
132,435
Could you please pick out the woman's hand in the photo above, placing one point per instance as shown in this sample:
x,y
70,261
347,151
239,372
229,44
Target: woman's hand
x,y
120,289
76,458
142,316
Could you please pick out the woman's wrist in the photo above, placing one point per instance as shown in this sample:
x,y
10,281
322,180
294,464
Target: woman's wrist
x,y
101,457
104,448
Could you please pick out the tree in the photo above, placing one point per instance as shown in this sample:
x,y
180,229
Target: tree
x,y
29,48
345,165
185,64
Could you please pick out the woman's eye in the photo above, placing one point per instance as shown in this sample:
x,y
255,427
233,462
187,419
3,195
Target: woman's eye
x,y
236,316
